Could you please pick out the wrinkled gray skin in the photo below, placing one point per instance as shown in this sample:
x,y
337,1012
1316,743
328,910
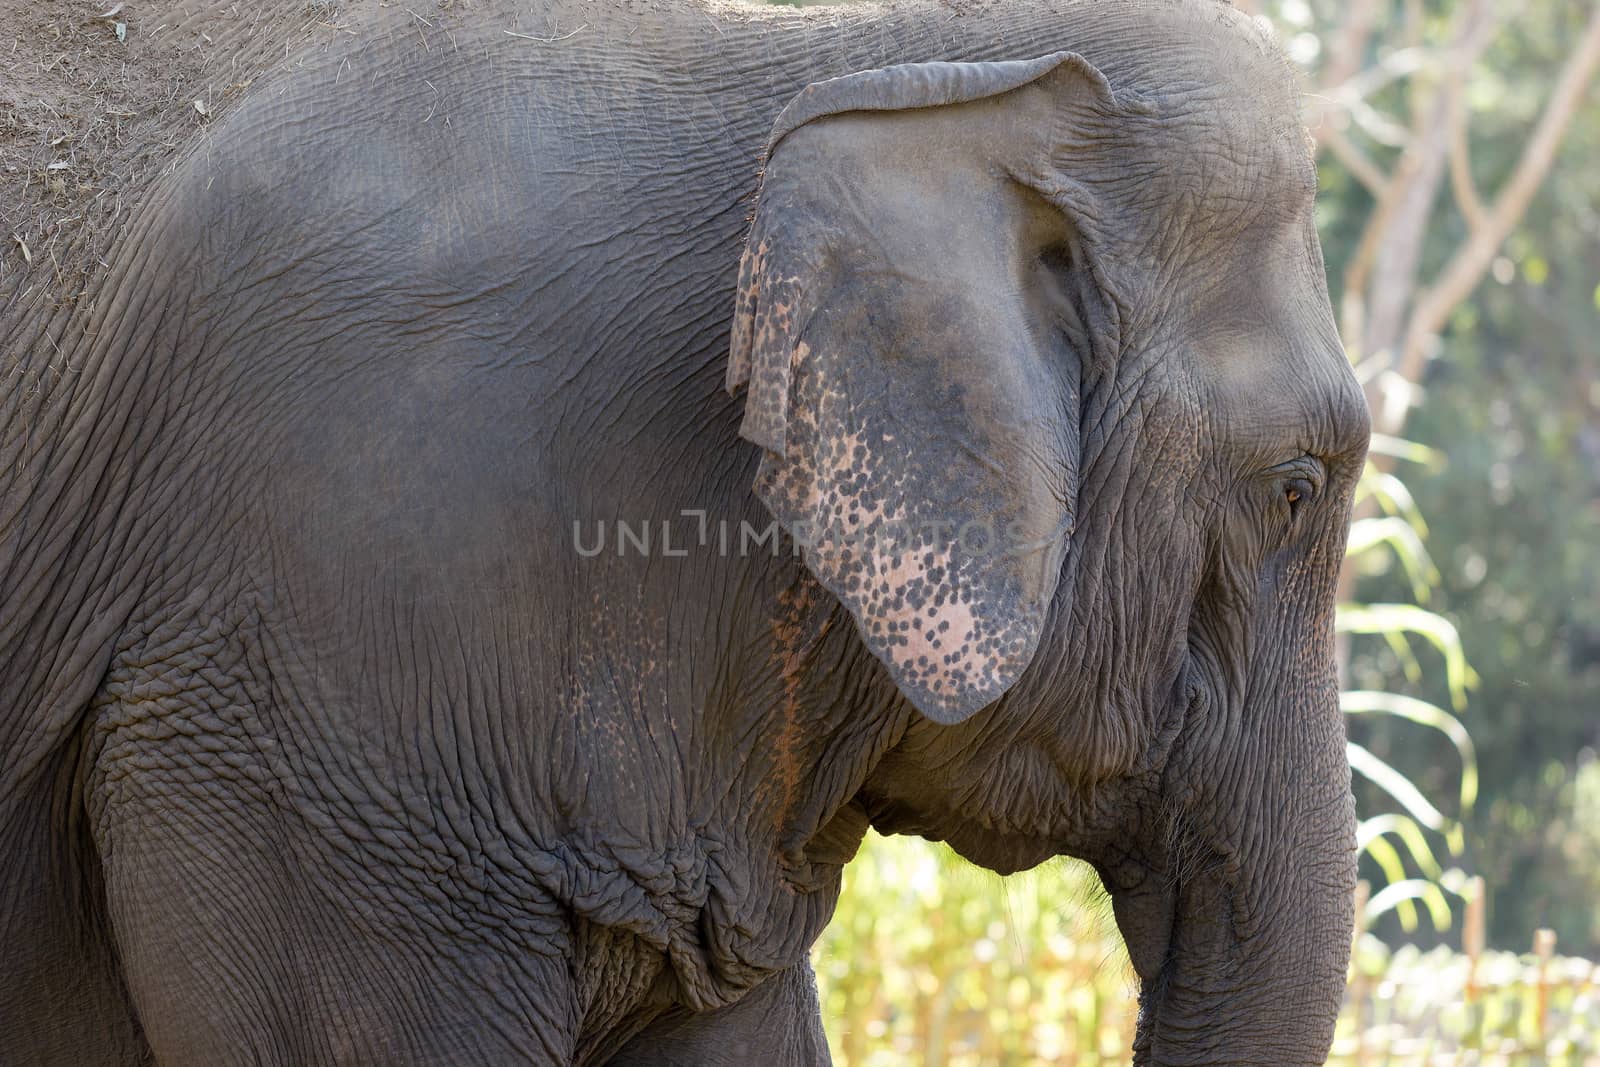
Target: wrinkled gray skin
x,y
323,743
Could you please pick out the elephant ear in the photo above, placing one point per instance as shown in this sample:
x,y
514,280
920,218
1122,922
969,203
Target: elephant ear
x,y
919,444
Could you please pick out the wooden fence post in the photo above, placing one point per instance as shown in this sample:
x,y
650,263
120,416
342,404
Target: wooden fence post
x,y
1544,946
1472,934
1472,945
1358,980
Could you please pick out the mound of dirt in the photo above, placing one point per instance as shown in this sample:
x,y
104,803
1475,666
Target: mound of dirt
x,y
98,97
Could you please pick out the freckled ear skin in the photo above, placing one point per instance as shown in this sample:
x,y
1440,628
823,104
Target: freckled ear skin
x,y
918,443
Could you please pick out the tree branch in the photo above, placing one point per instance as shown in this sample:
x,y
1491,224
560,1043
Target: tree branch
x,y
1411,31
1386,262
1357,162
1344,57
1461,184
1344,61
1349,97
1466,266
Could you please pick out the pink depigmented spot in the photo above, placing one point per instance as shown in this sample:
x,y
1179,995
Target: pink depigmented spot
x,y
944,638
879,523
937,643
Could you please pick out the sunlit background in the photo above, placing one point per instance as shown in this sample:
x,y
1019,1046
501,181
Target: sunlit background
x,y
1459,151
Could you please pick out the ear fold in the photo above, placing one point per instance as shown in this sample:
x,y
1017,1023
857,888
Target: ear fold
x,y
924,85
765,334
919,435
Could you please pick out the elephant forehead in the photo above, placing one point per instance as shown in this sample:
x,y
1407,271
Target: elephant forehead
x,y
1219,145
1209,177
1266,349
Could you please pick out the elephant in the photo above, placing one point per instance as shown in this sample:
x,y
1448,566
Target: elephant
x,y
532,483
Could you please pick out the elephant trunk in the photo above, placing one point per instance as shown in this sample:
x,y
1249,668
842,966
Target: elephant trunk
x,y
1256,906
1269,997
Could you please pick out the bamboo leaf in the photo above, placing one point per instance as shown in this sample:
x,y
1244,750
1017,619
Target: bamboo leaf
x,y
1400,448
1391,896
1392,497
1368,702
1410,834
1394,873
1397,786
1401,538
1389,620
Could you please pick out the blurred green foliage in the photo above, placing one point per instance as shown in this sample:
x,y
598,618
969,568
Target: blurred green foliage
x,y
933,962
1510,408
1406,1005
1400,827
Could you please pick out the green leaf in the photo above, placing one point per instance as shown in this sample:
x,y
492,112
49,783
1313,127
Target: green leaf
x,y
1401,538
1369,702
1371,831
1400,448
1391,896
1392,496
1402,650
1394,872
1396,785
1395,620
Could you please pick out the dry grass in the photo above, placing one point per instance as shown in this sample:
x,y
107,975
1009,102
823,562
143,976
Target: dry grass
x,y
100,98
932,962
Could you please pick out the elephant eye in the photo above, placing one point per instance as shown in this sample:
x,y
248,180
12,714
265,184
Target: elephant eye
x,y
1299,480
1298,492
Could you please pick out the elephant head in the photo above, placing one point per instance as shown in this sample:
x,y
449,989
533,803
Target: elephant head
x,y
1042,366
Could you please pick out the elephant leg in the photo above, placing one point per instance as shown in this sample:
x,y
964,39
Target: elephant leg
x,y
237,952
250,932
62,1000
777,1024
